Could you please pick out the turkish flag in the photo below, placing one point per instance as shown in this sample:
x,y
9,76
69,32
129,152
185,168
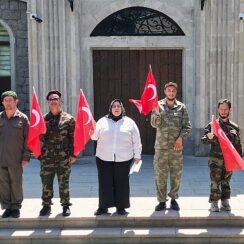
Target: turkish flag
x,y
84,125
37,127
232,158
149,97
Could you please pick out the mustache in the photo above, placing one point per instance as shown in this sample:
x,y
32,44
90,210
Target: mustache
x,y
224,116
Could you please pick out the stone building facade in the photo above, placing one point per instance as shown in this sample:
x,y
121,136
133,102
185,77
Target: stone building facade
x,y
14,20
61,51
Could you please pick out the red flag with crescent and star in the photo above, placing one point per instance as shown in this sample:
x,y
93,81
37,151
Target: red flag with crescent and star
x,y
84,126
37,127
232,158
149,97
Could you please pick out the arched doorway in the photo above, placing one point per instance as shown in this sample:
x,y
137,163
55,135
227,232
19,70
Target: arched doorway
x,y
5,61
121,73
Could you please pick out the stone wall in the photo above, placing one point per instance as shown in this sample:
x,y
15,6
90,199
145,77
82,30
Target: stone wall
x,y
14,18
220,61
60,51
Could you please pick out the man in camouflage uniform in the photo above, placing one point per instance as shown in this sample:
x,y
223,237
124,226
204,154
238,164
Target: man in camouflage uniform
x,y
219,177
57,154
172,123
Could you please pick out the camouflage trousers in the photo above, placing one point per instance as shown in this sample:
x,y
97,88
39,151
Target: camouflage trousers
x,y
167,162
220,180
60,167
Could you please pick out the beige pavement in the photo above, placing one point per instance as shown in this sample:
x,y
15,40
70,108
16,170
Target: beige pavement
x,y
84,190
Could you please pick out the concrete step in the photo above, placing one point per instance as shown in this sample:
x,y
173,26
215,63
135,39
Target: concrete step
x,y
122,221
122,235
194,223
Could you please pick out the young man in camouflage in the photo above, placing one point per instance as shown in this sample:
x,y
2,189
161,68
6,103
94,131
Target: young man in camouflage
x,y
14,154
57,154
220,178
172,123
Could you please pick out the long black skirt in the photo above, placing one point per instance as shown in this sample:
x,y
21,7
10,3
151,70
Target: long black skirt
x,y
113,179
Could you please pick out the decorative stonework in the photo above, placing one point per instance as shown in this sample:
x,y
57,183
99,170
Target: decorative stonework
x,y
137,21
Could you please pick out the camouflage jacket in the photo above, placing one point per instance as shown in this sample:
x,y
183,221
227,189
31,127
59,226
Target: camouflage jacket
x,y
60,133
171,123
232,132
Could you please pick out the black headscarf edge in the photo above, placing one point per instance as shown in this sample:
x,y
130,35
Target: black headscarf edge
x,y
110,114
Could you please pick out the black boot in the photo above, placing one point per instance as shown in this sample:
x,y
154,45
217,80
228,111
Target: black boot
x,y
66,211
161,206
6,213
174,205
15,213
46,210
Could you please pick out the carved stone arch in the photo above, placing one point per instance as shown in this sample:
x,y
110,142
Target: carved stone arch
x,y
12,51
137,21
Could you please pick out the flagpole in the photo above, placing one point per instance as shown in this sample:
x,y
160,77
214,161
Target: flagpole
x,y
34,90
212,124
150,67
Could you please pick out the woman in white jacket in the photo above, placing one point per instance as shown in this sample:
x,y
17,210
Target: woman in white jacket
x,y
118,144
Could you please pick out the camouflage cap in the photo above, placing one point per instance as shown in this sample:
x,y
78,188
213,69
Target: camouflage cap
x,y
170,84
56,92
9,93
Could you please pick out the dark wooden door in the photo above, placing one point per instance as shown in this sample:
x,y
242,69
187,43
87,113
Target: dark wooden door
x,y
122,74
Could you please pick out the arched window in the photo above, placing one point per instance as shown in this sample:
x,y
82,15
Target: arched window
x,y
5,61
137,21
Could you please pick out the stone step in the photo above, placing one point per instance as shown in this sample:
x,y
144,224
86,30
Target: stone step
x,y
122,235
123,221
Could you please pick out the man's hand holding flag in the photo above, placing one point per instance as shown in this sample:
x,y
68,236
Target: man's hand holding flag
x,y
232,158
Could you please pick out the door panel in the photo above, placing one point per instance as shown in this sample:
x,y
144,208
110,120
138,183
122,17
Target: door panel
x,y
122,74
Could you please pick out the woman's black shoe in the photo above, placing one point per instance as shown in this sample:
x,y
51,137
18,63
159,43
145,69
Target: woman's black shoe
x,y
121,211
101,211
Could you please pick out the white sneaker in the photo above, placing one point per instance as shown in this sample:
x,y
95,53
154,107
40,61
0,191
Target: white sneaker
x,y
214,206
225,206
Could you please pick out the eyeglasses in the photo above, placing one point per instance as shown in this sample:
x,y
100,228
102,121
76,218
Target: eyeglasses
x,y
53,99
116,106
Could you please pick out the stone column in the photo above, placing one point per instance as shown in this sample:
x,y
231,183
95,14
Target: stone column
x,y
220,75
53,51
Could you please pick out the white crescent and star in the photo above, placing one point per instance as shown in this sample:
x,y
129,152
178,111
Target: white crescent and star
x,y
153,87
223,135
88,112
37,116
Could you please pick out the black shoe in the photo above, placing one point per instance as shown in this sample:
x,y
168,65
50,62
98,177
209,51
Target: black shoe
x,y
6,213
174,205
46,210
15,213
101,211
66,211
161,206
121,211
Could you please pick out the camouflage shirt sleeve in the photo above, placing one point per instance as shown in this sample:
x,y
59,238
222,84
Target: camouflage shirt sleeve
x,y
156,120
186,124
235,138
71,136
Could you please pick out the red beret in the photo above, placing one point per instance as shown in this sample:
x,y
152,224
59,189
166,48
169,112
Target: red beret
x,y
54,92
